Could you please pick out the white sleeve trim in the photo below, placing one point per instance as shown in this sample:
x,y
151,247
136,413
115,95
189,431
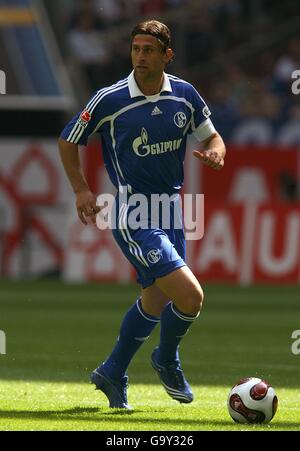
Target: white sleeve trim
x,y
205,130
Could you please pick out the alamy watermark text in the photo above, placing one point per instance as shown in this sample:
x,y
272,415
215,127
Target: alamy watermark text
x,y
138,211
296,83
295,348
2,82
2,342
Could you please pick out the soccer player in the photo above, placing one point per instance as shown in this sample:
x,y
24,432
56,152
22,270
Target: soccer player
x,y
144,121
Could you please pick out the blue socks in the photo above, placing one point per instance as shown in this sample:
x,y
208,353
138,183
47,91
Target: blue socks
x,y
174,325
135,329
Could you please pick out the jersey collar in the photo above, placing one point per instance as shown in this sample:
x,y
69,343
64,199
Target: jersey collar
x,y
135,91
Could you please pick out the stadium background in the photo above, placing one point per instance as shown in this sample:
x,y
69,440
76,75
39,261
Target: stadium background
x,y
240,55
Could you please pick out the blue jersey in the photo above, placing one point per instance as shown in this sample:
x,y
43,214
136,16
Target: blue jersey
x,y
143,137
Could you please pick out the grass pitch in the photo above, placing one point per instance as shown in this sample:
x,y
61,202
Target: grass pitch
x,y
56,334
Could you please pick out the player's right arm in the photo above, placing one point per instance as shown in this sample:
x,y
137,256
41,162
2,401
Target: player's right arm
x,y
85,199
76,133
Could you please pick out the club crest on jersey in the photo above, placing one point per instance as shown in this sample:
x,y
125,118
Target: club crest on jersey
x,y
154,256
206,112
84,118
180,119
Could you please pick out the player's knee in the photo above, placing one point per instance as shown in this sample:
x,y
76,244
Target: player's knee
x,y
194,301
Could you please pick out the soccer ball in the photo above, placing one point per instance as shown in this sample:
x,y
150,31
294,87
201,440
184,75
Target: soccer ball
x,y
252,400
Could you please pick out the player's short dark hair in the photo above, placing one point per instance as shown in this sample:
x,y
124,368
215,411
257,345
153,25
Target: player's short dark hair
x,y
154,28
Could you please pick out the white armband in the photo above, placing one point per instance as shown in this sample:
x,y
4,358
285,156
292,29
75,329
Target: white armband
x,y
205,130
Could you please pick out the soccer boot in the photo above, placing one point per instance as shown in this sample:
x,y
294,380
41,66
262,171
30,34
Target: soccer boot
x,y
172,379
115,390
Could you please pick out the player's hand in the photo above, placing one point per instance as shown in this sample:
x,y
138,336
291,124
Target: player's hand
x,y
86,206
210,158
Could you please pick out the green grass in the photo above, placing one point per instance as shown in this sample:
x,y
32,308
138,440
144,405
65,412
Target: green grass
x,y
76,406
56,334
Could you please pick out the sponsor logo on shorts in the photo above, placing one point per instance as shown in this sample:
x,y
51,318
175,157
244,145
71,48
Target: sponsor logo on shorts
x,y
154,256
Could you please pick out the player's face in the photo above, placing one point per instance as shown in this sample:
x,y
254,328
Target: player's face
x,y
147,56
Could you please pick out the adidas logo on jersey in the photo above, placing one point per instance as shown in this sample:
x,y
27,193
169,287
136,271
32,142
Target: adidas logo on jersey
x,y
156,111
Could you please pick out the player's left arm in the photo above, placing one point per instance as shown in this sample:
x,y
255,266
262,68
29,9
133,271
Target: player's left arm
x,y
213,153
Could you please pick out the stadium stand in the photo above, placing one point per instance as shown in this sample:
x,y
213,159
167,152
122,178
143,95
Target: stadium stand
x,y
37,79
236,52
240,54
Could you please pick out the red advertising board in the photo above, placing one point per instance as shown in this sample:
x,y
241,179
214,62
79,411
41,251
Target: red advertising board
x,y
248,243
257,173
252,225
252,231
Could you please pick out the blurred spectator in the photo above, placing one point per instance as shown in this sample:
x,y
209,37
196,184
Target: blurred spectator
x,y
109,10
253,131
89,47
285,65
260,102
239,84
151,6
83,8
264,65
252,89
290,131
223,108
174,3
200,43
224,14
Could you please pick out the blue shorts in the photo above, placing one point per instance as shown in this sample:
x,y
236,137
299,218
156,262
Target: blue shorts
x,y
154,249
